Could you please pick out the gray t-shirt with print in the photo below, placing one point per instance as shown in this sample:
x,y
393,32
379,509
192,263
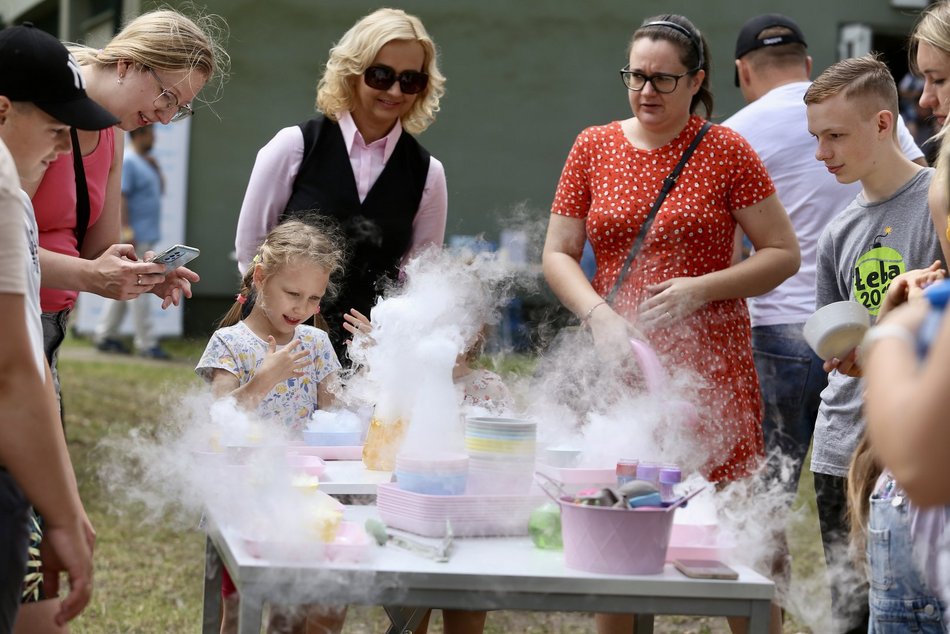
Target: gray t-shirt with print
x,y
865,247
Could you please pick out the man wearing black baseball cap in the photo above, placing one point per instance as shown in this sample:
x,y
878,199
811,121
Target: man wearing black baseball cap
x,y
36,67
772,71
41,96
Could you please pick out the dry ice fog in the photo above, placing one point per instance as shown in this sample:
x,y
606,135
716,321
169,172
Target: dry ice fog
x,y
217,461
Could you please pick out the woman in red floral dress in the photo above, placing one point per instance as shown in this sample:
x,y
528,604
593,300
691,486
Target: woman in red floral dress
x,y
682,294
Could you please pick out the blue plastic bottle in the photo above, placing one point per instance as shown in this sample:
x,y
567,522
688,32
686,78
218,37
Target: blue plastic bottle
x,y
938,295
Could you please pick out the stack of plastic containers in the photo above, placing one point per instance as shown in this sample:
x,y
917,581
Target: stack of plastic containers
x,y
501,454
432,474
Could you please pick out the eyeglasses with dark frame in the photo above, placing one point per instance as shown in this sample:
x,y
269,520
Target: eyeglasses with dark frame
x,y
167,99
663,83
380,77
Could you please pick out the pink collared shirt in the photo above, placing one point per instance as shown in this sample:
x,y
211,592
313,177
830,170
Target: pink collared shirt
x,y
272,179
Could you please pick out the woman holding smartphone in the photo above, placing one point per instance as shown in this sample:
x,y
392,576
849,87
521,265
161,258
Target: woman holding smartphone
x,y
151,71
357,162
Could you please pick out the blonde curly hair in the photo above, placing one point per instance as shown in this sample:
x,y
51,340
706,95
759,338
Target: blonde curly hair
x,y
355,52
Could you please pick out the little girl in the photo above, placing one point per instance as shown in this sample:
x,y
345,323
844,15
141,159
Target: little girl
x,y
271,362
885,526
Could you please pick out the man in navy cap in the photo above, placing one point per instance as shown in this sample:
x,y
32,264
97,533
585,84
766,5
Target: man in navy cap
x,y
41,95
772,71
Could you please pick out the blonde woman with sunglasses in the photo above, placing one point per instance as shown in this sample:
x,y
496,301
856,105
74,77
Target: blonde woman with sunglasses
x,y
358,162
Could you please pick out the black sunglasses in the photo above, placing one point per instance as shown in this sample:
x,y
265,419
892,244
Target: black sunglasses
x,y
381,77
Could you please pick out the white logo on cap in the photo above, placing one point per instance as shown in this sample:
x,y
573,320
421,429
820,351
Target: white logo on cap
x,y
78,80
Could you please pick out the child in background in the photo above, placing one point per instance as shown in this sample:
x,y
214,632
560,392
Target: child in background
x,y
883,527
273,364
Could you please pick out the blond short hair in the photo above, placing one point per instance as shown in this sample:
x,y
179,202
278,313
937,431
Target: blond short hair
x,y
865,79
355,52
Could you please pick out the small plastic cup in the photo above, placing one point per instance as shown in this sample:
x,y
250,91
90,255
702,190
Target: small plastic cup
x,y
669,476
649,471
626,470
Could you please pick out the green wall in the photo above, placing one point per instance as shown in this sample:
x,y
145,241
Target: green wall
x,y
523,79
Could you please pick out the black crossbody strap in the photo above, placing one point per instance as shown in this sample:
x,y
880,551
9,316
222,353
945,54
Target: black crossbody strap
x,y
82,192
668,183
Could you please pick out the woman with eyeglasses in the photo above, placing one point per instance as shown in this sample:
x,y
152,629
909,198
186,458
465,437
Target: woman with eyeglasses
x,y
152,71
682,294
358,162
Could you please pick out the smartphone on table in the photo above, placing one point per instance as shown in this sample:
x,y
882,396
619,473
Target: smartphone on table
x,y
175,256
705,569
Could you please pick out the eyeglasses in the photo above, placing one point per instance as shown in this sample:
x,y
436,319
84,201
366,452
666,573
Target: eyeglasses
x,y
167,100
381,77
662,82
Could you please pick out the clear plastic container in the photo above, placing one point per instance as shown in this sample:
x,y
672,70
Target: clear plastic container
x,y
669,477
626,470
649,471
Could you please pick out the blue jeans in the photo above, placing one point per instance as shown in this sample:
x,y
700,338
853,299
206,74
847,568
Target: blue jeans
x,y
899,598
791,380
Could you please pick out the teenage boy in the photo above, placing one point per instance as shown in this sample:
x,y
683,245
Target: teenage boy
x,y
852,110
41,96
772,71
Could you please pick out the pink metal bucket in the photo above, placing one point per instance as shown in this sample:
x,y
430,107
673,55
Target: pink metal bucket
x,y
615,541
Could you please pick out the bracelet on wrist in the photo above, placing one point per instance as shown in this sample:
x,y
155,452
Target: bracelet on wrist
x,y
886,331
590,312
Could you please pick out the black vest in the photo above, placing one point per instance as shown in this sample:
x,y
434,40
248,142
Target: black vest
x,y
378,231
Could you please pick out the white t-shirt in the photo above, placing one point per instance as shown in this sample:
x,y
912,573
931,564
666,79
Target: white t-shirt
x,y
776,126
19,252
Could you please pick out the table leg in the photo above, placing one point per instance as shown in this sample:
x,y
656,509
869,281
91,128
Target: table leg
x,y
760,617
211,611
643,624
250,614
404,620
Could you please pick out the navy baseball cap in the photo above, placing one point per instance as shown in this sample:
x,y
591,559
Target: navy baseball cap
x,y
36,67
749,39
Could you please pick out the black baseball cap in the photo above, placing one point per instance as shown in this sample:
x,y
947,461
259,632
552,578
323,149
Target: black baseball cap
x,y
36,67
749,40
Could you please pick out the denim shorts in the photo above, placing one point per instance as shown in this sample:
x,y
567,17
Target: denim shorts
x,y
899,598
791,379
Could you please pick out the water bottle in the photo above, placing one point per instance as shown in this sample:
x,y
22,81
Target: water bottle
x,y
938,295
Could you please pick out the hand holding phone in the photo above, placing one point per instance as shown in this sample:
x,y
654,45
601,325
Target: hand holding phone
x,y
705,569
175,256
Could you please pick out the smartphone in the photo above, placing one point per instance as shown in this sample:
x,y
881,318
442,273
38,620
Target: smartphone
x,y
705,569
175,256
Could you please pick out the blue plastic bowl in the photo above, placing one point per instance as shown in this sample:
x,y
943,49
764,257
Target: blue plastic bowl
x,y
331,438
432,483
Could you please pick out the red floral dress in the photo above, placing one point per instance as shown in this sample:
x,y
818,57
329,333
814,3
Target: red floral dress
x,y
613,185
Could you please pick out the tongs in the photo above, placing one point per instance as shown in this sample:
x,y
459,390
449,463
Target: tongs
x,y
439,553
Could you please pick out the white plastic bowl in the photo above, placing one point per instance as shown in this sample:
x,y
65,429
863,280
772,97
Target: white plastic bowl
x,y
836,329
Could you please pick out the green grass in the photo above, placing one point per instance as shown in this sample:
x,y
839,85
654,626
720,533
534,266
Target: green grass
x,y
149,572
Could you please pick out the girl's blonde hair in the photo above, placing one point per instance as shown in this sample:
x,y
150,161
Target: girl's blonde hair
x,y
290,241
862,475
355,52
165,40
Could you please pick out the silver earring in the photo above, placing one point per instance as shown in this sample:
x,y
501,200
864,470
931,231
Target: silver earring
x,y
119,80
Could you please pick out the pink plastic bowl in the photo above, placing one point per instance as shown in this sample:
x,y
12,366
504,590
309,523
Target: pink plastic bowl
x,y
615,541
311,465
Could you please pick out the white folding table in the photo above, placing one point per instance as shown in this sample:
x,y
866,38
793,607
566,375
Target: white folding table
x,y
482,574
